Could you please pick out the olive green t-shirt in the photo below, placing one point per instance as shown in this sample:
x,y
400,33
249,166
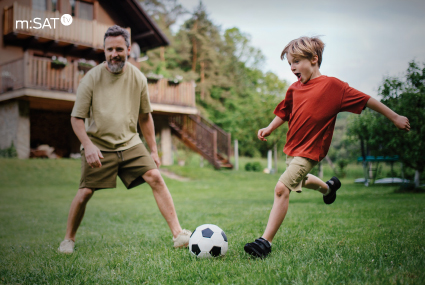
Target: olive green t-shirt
x,y
111,104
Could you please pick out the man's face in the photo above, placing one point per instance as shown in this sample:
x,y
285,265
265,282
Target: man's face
x,y
116,53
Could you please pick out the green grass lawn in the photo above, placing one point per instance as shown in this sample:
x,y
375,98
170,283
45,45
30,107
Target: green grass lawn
x,y
370,235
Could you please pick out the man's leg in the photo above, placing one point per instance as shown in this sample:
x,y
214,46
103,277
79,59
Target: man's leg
x,y
75,216
163,200
76,212
278,212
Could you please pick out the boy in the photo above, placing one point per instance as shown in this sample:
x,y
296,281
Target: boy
x,y
310,107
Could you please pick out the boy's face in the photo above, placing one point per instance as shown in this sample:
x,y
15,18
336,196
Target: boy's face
x,y
303,68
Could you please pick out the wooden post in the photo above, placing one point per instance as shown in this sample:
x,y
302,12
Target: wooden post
x,y
229,146
236,155
275,158
269,159
26,64
214,144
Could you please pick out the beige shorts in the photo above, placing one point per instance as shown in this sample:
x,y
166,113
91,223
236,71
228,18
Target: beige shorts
x,y
296,172
129,165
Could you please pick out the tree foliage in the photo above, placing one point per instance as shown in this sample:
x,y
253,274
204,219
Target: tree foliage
x,y
231,89
406,97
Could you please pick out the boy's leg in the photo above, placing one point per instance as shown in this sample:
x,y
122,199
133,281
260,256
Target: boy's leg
x,y
328,188
315,183
278,212
261,247
166,206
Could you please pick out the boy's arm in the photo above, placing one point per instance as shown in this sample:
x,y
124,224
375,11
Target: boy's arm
x,y
400,122
265,132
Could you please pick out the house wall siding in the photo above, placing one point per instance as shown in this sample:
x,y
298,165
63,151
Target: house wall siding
x,y
9,53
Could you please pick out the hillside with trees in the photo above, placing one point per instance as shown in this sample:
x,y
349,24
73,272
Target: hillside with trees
x,y
231,89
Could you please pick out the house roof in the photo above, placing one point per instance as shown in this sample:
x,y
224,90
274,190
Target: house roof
x,y
144,31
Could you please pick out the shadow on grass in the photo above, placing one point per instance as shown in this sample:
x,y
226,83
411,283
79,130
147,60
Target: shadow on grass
x,y
410,188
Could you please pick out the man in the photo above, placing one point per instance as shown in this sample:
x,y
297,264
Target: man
x,y
112,97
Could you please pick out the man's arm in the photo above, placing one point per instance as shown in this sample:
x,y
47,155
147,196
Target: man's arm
x,y
92,153
265,132
148,131
400,122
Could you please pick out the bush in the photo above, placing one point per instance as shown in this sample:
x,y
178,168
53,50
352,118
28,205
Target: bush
x,y
9,152
255,166
248,166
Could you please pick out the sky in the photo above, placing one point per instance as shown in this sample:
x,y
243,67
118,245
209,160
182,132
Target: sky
x,y
365,40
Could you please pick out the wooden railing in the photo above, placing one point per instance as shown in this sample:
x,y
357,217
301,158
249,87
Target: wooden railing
x,y
223,138
172,94
204,137
37,72
11,75
83,32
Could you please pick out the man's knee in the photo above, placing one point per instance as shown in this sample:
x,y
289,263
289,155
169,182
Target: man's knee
x,y
281,190
84,194
153,177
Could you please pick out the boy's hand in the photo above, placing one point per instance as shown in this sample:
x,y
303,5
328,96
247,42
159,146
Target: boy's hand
x,y
402,123
262,133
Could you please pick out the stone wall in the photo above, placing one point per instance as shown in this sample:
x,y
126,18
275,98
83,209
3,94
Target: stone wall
x,y
15,126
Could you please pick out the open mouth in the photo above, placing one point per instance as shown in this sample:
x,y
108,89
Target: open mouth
x,y
298,75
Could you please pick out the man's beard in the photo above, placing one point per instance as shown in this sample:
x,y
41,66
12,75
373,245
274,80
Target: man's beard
x,y
117,67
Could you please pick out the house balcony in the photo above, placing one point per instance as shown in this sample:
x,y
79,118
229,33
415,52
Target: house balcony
x,y
50,87
26,27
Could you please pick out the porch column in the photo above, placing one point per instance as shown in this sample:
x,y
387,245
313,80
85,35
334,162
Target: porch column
x,y
15,127
166,144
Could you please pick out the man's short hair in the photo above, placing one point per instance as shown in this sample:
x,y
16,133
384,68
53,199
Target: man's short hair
x,y
305,47
116,31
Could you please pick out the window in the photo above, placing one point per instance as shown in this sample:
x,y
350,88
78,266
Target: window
x,y
72,3
85,11
54,5
39,5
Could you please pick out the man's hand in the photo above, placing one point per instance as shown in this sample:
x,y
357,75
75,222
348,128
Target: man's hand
x,y
402,123
93,154
262,133
155,158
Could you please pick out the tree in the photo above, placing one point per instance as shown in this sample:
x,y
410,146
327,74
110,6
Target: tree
x,y
405,97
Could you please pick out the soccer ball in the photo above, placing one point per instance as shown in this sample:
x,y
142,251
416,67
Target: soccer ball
x,y
208,241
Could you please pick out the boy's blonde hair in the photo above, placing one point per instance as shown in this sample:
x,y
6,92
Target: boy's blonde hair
x,y
305,47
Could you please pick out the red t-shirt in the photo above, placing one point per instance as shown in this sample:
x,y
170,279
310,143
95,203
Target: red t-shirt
x,y
311,110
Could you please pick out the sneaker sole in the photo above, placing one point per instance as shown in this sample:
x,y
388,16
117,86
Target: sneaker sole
x,y
253,252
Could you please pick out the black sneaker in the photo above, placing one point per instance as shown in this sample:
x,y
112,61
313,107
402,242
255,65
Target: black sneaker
x,y
334,184
259,248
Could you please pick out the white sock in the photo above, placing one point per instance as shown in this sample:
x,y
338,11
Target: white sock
x,y
327,192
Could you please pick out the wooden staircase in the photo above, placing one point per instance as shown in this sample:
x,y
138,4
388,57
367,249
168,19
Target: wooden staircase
x,y
204,137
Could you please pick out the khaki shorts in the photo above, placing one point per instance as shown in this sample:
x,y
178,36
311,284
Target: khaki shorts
x,y
296,171
129,165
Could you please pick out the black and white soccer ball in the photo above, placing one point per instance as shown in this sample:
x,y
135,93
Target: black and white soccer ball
x,y
208,241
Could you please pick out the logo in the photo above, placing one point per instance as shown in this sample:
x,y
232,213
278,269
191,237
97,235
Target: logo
x,y
66,19
38,23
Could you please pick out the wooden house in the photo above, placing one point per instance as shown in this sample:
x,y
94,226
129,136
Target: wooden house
x,y
42,61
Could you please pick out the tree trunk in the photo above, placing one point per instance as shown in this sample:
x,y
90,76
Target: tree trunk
x,y
202,80
194,47
162,54
320,170
417,178
330,163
